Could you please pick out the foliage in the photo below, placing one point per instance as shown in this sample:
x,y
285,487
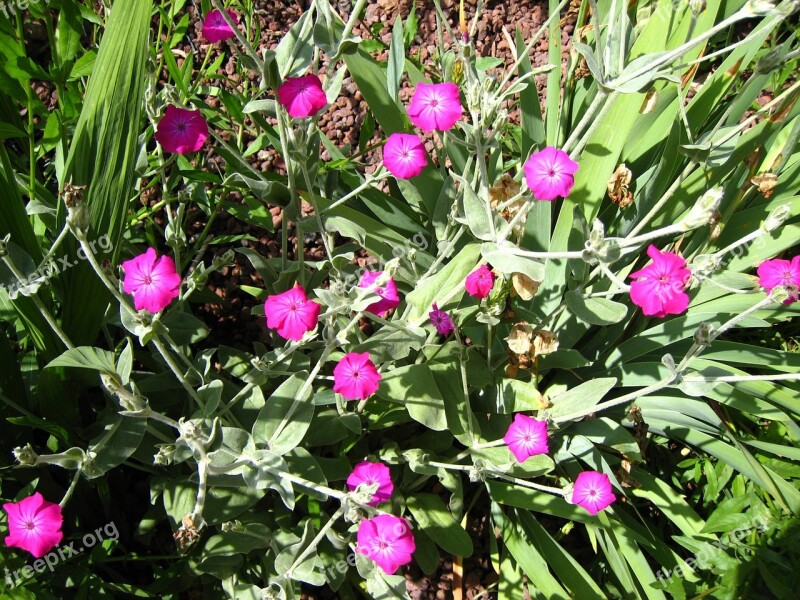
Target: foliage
x,y
691,416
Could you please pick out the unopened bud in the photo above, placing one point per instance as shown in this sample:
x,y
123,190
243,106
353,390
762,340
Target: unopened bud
x,y
25,455
703,210
697,7
759,7
702,337
598,234
775,218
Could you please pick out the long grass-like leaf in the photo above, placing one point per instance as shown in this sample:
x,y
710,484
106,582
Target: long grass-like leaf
x,y
104,151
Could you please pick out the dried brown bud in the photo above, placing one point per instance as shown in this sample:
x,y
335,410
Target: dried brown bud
x,y
524,286
619,186
766,183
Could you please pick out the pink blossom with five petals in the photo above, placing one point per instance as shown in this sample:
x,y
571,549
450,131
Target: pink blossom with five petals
x,y
387,540
302,96
291,313
526,437
404,155
550,173
34,524
435,106
659,287
153,281
181,131
480,282
780,272
370,473
355,376
216,28
593,491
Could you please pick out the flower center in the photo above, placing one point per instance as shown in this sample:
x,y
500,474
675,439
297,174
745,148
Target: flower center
x,y
592,493
148,280
293,307
434,102
356,374
30,526
787,278
552,172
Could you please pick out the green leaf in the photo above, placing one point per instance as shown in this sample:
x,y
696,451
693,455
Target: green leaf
x,y
582,397
120,439
285,400
595,311
86,357
432,289
397,59
184,327
103,154
296,50
506,262
415,387
432,516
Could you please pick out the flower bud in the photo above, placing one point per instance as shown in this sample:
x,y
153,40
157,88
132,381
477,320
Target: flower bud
x,y
165,454
598,234
4,245
25,455
697,7
703,210
702,337
775,218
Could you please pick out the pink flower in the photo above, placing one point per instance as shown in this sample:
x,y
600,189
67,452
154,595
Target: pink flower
x,y
182,130
387,540
34,524
369,473
435,106
778,272
549,173
216,29
291,313
302,96
659,289
441,321
592,491
387,292
526,437
480,282
153,281
404,155
355,376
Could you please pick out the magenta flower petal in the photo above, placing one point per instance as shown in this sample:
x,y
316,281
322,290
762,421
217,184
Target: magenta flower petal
x,y
291,313
480,282
181,131
779,272
153,281
370,473
435,106
404,155
355,376
302,96
388,293
550,173
387,540
216,29
526,437
441,321
34,524
659,287
593,491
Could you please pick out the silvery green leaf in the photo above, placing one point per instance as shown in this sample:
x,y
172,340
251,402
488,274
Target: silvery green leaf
x,y
264,106
296,50
591,61
595,311
504,260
